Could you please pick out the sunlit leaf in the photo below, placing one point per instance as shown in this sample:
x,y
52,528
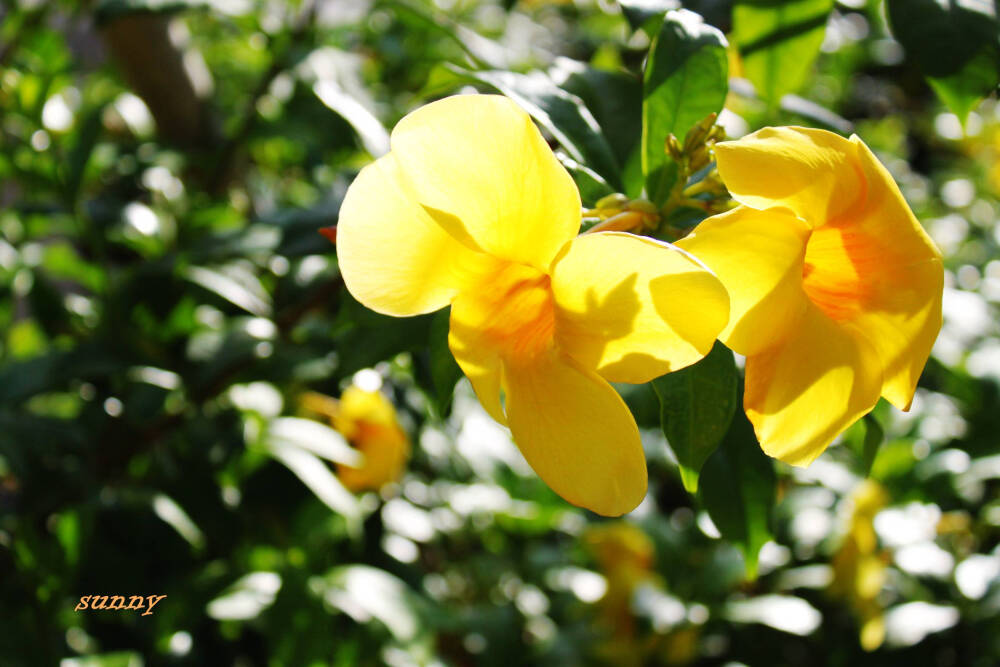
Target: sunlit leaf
x,y
362,589
639,13
779,41
314,437
174,515
373,135
317,476
234,283
684,81
614,99
246,598
782,612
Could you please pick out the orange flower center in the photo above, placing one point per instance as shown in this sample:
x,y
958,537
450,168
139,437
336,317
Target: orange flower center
x,y
839,270
516,311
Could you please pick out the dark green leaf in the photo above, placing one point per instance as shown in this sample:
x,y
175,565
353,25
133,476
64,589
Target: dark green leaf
x,y
779,40
19,381
697,404
737,490
684,81
614,98
445,371
954,45
592,187
561,113
874,436
964,89
79,156
639,13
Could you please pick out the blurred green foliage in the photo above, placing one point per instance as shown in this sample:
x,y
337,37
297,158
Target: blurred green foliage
x,y
166,300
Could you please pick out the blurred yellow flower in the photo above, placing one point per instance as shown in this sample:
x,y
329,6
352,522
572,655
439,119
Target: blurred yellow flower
x,y
835,288
625,555
859,568
368,421
471,208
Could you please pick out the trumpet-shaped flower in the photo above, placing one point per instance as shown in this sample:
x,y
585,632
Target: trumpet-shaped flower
x,y
368,421
471,209
835,289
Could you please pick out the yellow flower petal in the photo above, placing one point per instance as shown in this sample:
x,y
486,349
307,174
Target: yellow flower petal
x,y
576,432
508,315
360,405
478,359
481,168
801,394
634,308
758,257
902,317
813,173
385,449
890,298
393,257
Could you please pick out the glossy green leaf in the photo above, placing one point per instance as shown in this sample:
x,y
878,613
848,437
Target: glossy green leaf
x,y
592,187
561,113
640,13
614,98
962,91
684,81
697,404
737,489
778,41
234,283
874,436
373,135
953,44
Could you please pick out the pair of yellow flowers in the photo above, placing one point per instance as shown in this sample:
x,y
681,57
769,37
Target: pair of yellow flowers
x,y
822,277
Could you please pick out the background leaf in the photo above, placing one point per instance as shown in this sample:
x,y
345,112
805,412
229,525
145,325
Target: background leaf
x,y
684,81
697,404
874,436
778,42
738,489
640,13
955,46
561,113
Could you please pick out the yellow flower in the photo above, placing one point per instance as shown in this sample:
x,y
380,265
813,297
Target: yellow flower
x,y
859,567
835,289
471,208
624,555
368,421
623,552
